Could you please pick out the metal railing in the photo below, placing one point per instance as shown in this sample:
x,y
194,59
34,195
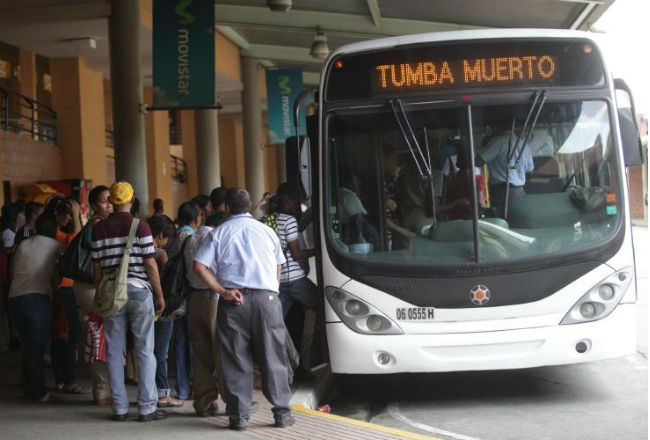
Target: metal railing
x,y
174,135
179,169
22,114
110,139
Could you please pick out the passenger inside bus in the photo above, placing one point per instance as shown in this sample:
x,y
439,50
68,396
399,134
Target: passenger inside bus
x,y
356,231
397,235
508,162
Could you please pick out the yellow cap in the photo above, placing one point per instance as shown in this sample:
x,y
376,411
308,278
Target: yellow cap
x,y
121,193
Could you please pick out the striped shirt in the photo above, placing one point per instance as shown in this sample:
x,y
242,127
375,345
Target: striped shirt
x,y
288,232
109,241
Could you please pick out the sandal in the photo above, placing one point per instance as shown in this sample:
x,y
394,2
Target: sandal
x,y
104,401
75,388
169,402
47,398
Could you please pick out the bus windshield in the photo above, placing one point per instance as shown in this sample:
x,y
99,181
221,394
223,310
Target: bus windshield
x,y
541,189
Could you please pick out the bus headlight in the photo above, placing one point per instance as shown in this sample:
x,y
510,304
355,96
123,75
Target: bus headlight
x,y
360,316
355,307
601,299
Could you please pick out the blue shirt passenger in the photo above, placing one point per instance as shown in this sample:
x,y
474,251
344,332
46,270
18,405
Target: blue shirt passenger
x,y
495,153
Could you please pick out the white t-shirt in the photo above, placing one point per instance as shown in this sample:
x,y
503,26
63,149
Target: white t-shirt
x,y
34,266
8,238
350,204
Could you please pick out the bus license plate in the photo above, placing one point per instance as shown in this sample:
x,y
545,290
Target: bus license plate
x,y
414,313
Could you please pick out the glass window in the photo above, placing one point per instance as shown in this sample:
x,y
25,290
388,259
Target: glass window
x,y
549,189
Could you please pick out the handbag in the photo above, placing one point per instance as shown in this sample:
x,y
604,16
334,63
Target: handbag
x,y
589,199
76,262
111,294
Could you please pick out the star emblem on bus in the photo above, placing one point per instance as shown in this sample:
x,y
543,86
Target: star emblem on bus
x,y
479,295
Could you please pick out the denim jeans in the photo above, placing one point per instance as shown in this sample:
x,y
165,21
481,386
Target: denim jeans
x,y
62,351
183,353
306,293
163,334
138,312
32,314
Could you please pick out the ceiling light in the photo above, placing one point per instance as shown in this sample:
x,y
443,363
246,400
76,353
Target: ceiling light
x,y
279,5
319,48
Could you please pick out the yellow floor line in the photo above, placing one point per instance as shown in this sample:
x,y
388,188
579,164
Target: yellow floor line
x,y
371,426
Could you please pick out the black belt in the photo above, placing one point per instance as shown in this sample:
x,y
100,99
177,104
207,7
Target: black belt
x,y
246,291
504,184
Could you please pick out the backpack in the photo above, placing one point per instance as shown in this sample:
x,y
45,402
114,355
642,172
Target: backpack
x,y
76,262
111,295
174,285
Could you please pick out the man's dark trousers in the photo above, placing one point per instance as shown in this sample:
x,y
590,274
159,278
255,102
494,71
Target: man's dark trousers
x,y
253,330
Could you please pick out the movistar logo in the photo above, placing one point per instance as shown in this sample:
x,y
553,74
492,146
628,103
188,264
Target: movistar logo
x,y
180,10
283,83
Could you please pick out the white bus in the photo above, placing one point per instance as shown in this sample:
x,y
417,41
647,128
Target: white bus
x,y
471,203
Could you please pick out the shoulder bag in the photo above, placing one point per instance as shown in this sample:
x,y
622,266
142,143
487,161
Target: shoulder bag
x,y
111,294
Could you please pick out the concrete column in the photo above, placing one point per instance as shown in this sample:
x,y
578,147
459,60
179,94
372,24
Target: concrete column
x,y
206,125
126,79
252,120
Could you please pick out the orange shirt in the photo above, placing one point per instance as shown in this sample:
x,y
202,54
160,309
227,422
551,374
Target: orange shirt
x,y
65,239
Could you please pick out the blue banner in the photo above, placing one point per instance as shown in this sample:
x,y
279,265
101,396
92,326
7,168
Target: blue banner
x,y
183,53
282,88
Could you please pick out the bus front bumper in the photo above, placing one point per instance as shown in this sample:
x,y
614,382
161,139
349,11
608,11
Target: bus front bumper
x,y
355,353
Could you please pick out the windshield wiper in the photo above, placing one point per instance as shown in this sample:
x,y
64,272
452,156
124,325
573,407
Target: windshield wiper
x,y
423,165
525,133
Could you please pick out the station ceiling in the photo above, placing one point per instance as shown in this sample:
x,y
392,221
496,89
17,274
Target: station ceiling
x,y
284,39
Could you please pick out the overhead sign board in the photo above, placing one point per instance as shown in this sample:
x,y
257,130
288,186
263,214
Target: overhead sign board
x,y
282,88
183,53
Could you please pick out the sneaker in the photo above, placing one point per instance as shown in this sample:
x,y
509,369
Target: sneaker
x,y
119,417
237,425
285,423
159,414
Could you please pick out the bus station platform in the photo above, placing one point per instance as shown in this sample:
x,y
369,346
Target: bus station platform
x,y
76,417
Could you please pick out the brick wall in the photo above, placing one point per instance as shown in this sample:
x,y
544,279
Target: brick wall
x,y
24,160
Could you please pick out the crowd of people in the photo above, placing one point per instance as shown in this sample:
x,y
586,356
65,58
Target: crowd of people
x,y
241,270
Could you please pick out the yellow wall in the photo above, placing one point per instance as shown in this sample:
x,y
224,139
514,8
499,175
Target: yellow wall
x,y
108,102
158,162
27,62
146,13
231,151
78,99
227,56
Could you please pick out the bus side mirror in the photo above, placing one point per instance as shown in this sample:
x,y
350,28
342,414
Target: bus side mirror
x,y
630,136
298,160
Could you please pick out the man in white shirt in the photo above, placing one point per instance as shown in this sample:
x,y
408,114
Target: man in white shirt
x,y
241,260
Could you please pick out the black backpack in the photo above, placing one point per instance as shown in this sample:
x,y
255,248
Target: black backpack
x,y
174,285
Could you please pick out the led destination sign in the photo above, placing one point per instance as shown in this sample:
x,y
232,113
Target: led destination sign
x,y
457,66
466,72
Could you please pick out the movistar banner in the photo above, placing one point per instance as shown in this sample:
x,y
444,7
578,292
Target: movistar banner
x,y
282,88
183,53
